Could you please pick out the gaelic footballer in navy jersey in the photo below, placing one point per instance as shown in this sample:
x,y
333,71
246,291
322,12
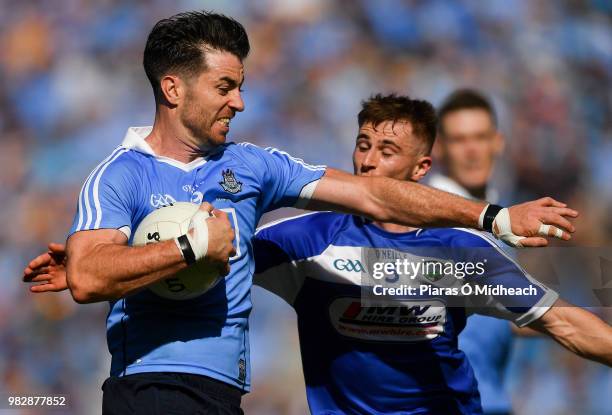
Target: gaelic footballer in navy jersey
x,y
401,356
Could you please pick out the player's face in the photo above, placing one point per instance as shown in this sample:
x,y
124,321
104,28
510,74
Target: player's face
x,y
213,98
469,145
390,149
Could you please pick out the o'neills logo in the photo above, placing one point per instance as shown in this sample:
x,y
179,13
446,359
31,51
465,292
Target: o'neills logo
x,y
407,322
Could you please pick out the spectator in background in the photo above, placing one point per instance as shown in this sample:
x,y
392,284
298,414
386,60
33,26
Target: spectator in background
x,y
468,144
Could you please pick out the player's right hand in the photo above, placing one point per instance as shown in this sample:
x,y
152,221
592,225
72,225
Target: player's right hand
x,y
220,238
530,223
48,270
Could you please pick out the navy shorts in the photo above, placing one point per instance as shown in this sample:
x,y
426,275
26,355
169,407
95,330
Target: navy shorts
x,y
169,394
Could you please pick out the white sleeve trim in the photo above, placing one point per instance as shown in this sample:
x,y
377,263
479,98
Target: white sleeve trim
x,y
126,231
538,310
281,220
306,194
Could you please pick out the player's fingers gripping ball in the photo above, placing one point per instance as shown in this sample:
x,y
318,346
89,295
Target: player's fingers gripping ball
x,y
181,221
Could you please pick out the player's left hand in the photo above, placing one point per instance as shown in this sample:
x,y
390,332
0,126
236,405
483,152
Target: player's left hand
x,y
48,270
530,223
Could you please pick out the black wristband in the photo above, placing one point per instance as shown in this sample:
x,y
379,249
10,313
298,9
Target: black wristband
x,y
188,254
489,216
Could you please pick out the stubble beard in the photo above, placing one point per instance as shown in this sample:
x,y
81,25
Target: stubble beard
x,y
197,125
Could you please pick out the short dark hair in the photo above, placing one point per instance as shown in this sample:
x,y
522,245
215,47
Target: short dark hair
x,y
179,43
463,99
421,114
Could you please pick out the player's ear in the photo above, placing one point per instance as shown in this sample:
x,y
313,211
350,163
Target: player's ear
x,y
421,168
171,89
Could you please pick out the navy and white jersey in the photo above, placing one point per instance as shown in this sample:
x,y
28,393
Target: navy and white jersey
x,y
360,359
206,335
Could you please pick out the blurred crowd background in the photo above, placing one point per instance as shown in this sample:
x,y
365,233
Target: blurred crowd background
x,y
71,82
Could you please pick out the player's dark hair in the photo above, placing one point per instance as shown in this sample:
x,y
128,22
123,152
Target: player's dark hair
x,y
421,115
179,44
465,99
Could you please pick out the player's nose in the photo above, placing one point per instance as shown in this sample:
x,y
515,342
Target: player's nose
x,y
370,161
237,103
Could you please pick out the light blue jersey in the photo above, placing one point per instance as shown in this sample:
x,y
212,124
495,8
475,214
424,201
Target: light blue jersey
x,y
207,335
403,357
487,342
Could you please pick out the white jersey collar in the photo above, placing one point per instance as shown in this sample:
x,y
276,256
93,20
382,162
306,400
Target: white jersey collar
x,y
449,185
135,140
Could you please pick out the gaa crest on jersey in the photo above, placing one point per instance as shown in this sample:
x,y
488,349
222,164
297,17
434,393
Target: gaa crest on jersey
x,y
229,182
159,200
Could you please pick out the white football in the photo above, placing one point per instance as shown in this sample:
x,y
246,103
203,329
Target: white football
x,y
166,223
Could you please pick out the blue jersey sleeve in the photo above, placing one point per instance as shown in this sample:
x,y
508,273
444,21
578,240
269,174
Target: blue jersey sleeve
x,y
504,290
283,250
107,196
277,268
284,180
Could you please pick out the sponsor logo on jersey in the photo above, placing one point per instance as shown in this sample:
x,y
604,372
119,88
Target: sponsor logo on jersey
x,y
409,321
229,182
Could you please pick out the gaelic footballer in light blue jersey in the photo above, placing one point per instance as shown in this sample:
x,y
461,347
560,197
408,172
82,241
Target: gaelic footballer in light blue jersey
x,y
195,63
207,335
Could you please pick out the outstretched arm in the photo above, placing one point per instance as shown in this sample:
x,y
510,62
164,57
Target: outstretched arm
x,y
410,203
578,330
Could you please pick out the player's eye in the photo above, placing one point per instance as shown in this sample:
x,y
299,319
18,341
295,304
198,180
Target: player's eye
x,y
223,91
